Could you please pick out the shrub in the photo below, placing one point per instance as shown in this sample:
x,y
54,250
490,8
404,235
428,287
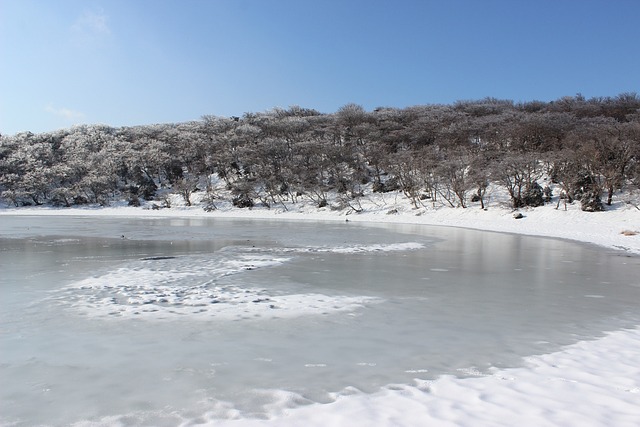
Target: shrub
x,y
533,195
591,202
242,201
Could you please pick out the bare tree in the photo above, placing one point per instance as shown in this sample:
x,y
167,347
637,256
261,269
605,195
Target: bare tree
x,y
519,173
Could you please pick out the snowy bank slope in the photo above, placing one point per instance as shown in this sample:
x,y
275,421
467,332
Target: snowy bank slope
x,y
613,228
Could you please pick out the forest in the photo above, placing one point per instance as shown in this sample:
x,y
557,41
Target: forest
x,y
449,154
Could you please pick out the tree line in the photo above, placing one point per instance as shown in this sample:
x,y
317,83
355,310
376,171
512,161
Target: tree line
x,y
590,148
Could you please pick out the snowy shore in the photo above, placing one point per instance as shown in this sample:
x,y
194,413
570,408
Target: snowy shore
x,y
591,383
616,228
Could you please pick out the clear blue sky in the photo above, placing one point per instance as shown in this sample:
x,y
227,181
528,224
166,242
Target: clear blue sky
x,y
127,62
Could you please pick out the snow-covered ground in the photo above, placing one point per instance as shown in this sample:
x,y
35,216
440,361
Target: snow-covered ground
x,y
587,384
613,228
593,383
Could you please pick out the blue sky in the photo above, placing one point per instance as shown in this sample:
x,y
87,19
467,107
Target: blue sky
x,y
128,62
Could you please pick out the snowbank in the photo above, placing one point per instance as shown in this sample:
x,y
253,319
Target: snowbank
x,y
615,228
593,383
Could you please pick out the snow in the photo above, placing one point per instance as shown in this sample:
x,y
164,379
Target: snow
x,y
590,383
587,384
616,228
159,294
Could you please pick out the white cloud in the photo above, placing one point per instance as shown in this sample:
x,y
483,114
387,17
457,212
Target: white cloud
x,y
91,27
92,22
65,113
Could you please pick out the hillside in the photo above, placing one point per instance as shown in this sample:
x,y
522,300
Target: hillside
x,y
436,155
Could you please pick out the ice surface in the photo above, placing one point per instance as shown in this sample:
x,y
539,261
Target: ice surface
x,y
588,384
591,384
369,248
163,288
378,344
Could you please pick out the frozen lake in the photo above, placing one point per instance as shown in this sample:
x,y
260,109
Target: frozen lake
x,y
162,321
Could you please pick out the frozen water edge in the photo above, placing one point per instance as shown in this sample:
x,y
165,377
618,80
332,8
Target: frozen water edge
x,y
602,228
593,383
590,383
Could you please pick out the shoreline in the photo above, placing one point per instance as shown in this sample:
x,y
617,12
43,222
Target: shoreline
x,y
613,229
